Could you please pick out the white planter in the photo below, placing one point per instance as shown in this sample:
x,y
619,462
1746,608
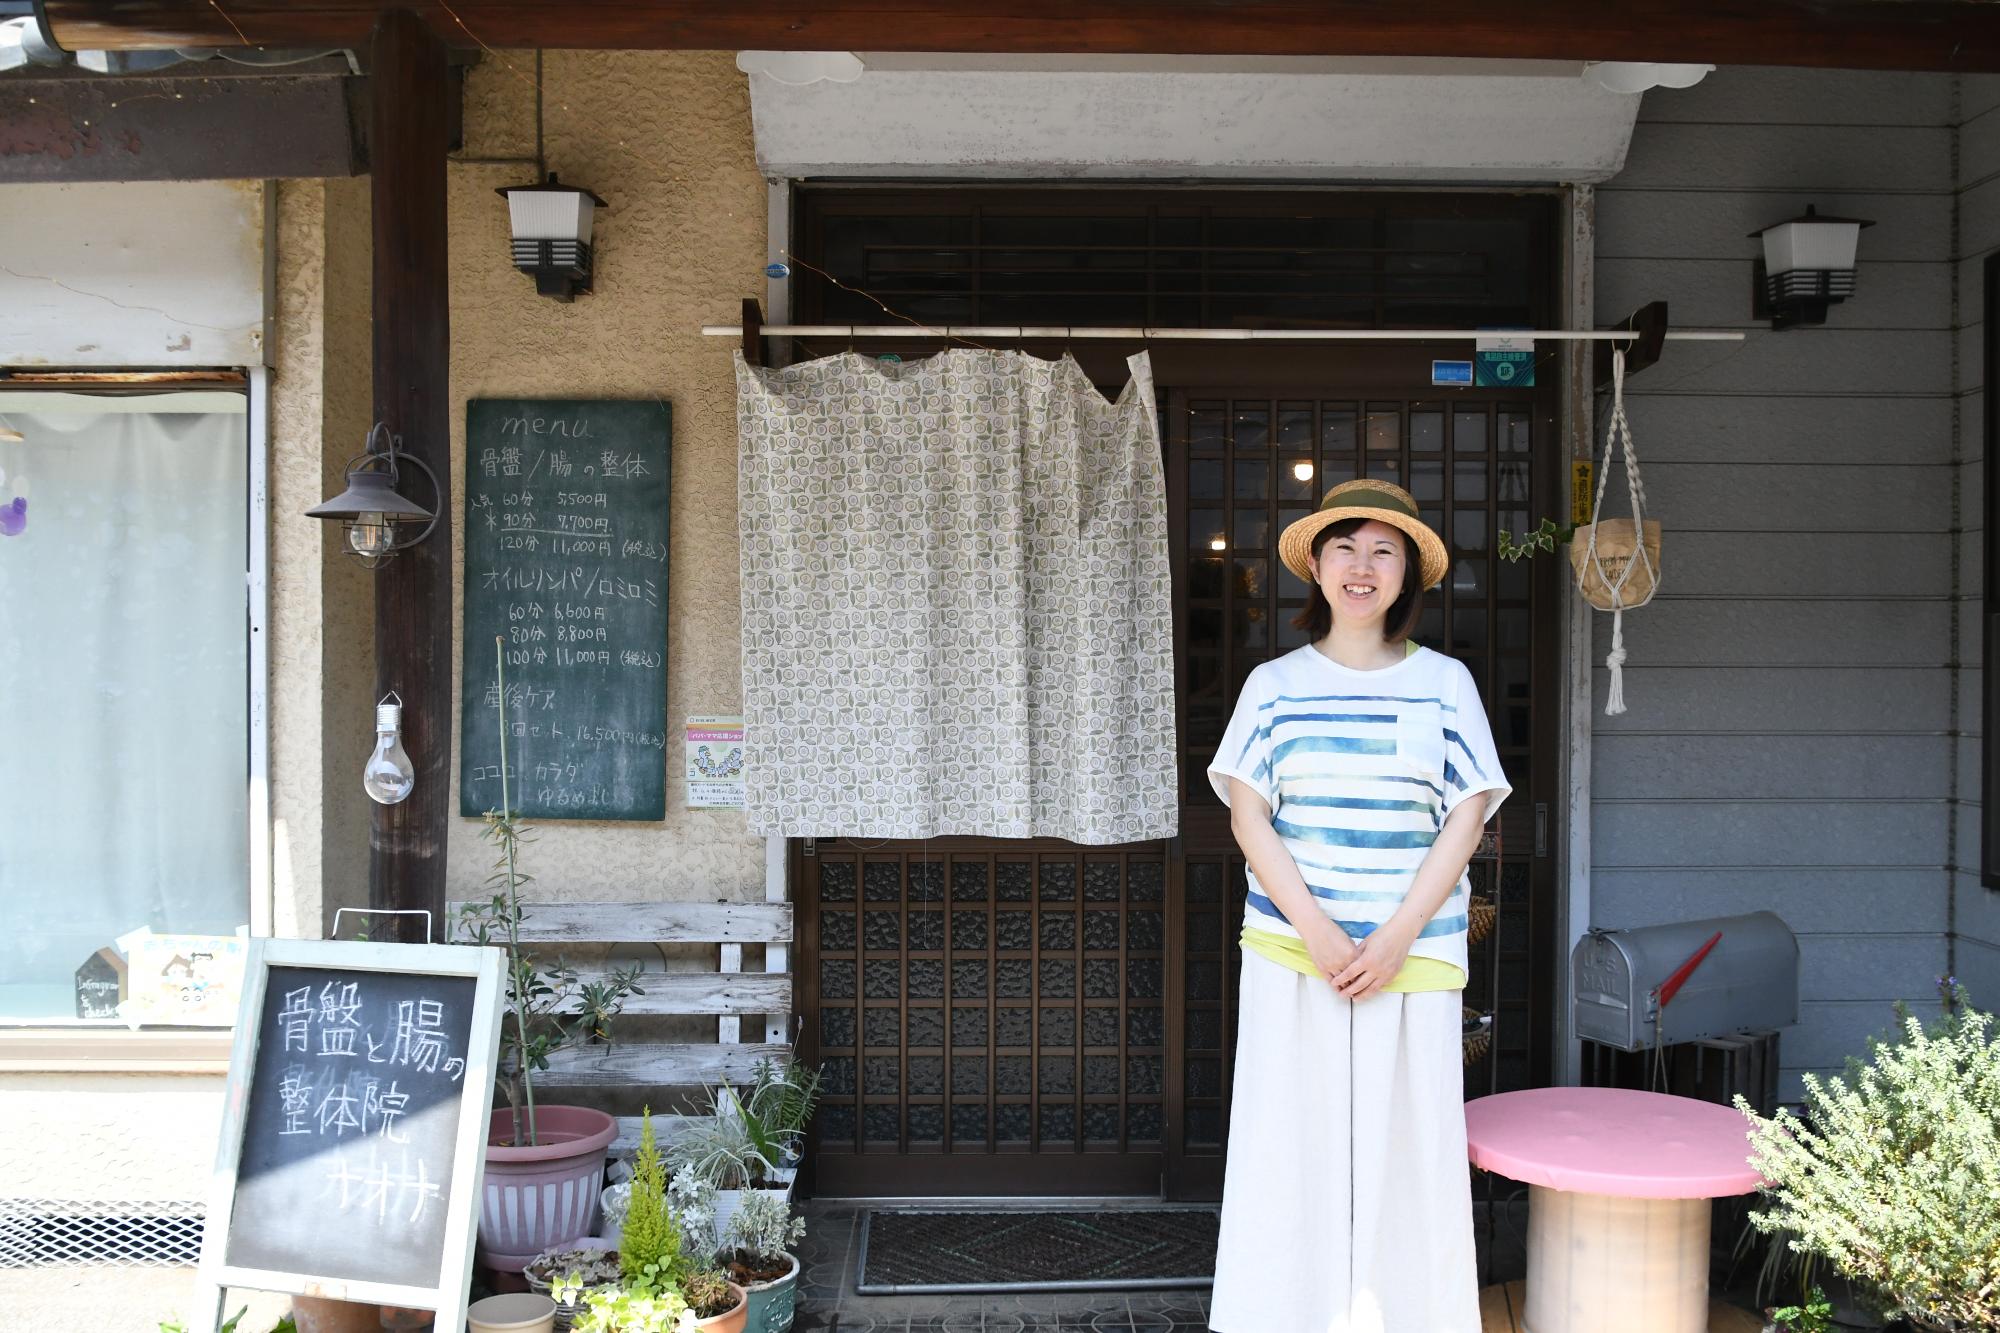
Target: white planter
x,y
728,1201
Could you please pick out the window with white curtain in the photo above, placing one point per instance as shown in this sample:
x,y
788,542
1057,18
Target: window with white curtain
x,y
124,691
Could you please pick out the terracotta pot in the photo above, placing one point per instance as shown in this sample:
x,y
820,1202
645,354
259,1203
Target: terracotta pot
x,y
521,1312
538,1197
317,1314
730,1321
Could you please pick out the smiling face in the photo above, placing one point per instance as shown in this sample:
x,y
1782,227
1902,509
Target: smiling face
x,y
1361,573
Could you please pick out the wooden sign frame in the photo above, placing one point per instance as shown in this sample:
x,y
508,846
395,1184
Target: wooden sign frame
x,y
486,966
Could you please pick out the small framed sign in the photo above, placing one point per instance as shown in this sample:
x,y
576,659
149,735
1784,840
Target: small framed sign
x,y
354,1132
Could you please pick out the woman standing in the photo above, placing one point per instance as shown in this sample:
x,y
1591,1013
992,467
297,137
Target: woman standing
x,y
1359,771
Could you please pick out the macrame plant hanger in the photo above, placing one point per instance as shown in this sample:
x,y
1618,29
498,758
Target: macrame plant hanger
x,y
1617,561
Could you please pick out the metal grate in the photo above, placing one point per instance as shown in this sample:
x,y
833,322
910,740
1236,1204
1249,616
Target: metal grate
x,y
126,1233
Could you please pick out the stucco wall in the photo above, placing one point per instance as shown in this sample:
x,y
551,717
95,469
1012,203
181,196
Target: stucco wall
x,y
665,139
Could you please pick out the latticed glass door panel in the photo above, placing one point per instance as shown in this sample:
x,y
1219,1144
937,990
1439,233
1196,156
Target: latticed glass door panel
x,y
1007,1000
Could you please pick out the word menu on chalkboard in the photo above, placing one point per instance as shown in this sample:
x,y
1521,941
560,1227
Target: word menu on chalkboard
x,y
566,565
359,1096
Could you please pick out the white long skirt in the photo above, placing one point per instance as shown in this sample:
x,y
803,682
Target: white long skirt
x,y
1347,1199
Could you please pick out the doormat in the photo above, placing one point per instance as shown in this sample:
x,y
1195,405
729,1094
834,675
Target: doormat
x,y
936,1250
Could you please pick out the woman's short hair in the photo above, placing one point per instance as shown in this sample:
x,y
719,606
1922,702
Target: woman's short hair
x,y
1401,622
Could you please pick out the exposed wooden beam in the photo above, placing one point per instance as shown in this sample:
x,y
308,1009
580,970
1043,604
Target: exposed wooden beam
x,y
412,332
1961,35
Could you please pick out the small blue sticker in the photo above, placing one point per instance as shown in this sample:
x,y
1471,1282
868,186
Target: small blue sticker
x,y
890,359
777,270
1451,372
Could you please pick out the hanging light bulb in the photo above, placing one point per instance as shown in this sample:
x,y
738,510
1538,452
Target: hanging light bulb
x,y
389,776
1303,469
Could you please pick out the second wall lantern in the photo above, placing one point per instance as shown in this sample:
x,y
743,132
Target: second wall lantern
x,y
551,224
1807,266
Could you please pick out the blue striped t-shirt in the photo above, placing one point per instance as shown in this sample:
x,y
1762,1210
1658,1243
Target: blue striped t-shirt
x,y
1360,769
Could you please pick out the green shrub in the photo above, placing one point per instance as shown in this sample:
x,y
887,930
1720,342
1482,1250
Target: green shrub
x,y
1893,1176
651,1239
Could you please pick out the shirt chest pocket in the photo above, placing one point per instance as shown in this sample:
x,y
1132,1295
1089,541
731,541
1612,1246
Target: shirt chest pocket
x,y
1420,739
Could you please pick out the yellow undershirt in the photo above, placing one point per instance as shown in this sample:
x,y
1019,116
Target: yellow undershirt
x,y
1417,974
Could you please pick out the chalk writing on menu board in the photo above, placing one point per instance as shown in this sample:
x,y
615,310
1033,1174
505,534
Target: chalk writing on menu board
x,y
351,1124
566,564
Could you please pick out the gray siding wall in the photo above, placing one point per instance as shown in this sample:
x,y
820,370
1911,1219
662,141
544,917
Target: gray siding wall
x,y
1789,744
1976,910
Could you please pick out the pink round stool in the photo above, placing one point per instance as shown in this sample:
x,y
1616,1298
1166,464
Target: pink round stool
x,y
1619,1184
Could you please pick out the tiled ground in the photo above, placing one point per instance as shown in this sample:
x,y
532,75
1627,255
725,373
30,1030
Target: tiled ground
x,y
828,1303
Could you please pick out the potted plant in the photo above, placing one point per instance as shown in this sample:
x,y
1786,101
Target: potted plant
x,y
776,1110
732,1150
1880,1175
590,1260
544,1164
757,1254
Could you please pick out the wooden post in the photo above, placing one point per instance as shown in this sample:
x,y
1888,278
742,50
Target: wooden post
x,y
413,608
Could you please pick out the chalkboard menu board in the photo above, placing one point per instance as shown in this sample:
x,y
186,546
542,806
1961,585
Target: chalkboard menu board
x,y
359,1096
566,565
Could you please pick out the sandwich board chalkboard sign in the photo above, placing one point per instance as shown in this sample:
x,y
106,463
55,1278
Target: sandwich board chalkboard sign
x,y
354,1131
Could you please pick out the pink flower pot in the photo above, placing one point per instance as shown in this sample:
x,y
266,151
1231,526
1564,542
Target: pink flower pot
x,y
546,1195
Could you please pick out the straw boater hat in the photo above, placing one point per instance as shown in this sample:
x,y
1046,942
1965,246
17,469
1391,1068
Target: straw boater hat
x,y
1365,498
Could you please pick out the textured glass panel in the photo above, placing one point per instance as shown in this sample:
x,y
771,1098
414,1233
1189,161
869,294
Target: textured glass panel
x,y
1013,1025
883,1124
1426,429
882,881
1014,930
1145,930
1468,529
1013,881
1013,1074
882,1027
926,1124
1296,476
1058,978
1100,978
926,1026
968,1027
1010,1122
1058,1075
1250,629
836,882
1336,471
1515,435
836,1125
1204,1126
1206,531
1204,1078
1204,882
1058,881
1253,479
1252,529
1387,467
1204,932
1146,881
968,1075
1058,1026
1100,930
926,979
1207,427
968,1123
1511,704
1385,428
1142,1123
1143,979
836,1027
1205,480
1204,1029
882,932
1468,578
838,1075
882,1075
1251,578
836,930
1250,427
926,929
1143,1074
1100,1123
1145,1027
1013,979
1468,483
1100,1075
968,980
1336,433
1513,483
836,979
1427,481
1295,425
1514,580
1059,931
968,930
1204,981
881,979
1204,574
1100,1027
1468,631
1468,429
1058,1124
927,1074
1102,881
968,881
927,882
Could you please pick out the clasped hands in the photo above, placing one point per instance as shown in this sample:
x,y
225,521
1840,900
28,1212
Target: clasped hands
x,y
1359,970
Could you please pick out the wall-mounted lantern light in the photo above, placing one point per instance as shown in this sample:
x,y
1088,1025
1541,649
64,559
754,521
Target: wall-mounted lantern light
x,y
379,522
551,224
1807,265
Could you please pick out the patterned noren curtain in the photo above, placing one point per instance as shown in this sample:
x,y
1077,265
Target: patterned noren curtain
x,y
957,613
